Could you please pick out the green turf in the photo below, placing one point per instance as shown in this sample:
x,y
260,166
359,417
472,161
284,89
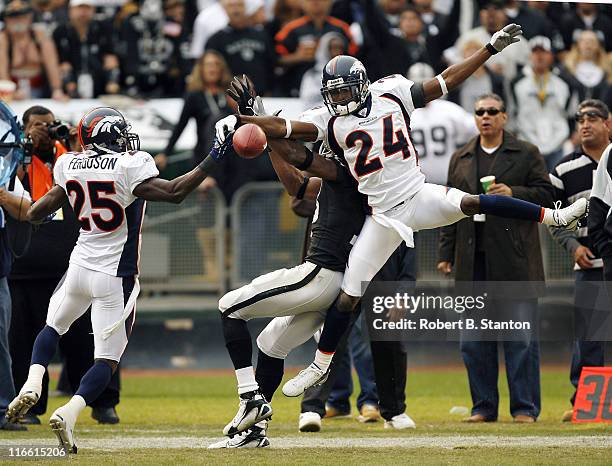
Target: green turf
x,y
199,406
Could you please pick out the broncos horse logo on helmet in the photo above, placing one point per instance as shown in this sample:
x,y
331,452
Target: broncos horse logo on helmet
x,y
340,73
105,130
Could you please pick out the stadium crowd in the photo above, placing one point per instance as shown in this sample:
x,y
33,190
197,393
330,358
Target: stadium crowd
x,y
188,48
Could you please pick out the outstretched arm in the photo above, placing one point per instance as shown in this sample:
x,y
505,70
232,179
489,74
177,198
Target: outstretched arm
x,y
177,189
276,127
291,177
454,75
295,154
46,205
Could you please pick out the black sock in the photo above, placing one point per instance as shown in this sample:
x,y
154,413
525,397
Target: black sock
x,y
269,374
336,323
509,207
45,346
238,342
94,381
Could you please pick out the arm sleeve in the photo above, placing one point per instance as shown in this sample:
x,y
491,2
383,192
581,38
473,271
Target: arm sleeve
x,y
187,112
318,116
600,206
140,167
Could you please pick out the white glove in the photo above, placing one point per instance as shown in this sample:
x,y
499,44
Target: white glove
x,y
508,35
225,126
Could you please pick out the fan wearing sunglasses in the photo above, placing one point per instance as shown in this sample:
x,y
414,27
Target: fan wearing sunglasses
x,y
491,248
573,179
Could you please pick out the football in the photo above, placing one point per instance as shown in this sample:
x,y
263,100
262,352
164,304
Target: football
x,y
249,141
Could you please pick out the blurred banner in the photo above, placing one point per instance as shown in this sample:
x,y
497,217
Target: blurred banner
x,y
152,120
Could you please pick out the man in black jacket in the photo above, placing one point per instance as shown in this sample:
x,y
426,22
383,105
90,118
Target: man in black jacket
x,y
493,248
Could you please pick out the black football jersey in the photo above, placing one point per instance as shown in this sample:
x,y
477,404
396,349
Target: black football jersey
x,y
337,221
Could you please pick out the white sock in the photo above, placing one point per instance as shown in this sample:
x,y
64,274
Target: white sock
x,y
73,408
34,380
246,380
323,360
547,218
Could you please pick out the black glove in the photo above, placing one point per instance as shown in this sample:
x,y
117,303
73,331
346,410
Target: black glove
x,y
243,92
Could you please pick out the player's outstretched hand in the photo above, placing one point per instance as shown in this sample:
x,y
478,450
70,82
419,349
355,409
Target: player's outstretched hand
x,y
221,148
508,35
243,92
225,126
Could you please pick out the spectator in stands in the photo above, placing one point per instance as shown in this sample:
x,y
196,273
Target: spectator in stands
x,y
14,201
482,80
437,129
392,9
573,178
492,18
205,100
409,46
487,249
330,45
441,30
87,60
214,17
247,49
296,43
285,11
50,13
152,59
541,101
35,275
27,56
532,21
588,67
586,17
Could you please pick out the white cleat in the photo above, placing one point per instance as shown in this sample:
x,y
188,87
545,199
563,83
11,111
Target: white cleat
x,y
569,216
63,428
255,437
307,378
20,406
399,422
253,408
309,422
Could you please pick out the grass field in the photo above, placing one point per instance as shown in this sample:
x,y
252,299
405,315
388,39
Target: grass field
x,y
170,418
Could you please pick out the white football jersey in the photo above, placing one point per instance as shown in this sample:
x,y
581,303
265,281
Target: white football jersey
x,y
437,131
375,142
99,187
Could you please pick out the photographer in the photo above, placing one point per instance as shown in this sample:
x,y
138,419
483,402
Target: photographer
x,y
38,271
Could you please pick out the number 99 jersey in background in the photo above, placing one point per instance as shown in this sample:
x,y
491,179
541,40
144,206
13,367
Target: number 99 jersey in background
x,y
375,142
99,187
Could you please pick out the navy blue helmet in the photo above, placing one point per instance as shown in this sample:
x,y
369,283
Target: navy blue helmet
x,y
344,73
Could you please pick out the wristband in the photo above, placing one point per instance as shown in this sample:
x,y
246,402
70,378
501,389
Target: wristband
x,y
307,161
442,84
300,193
492,50
289,129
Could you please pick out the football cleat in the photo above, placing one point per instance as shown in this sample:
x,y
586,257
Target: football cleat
x,y
255,437
400,422
309,422
307,378
569,216
63,428
20,406
252,409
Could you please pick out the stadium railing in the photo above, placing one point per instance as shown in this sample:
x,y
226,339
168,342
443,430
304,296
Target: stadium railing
x,y
266,234
183,247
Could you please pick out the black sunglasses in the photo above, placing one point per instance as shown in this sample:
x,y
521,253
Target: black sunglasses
x,y
580,116
491,111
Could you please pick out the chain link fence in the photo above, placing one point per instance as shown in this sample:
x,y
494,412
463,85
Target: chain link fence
x,y
183,246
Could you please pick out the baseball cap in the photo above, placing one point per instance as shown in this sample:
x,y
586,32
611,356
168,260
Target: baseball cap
x,y
82,2
540,42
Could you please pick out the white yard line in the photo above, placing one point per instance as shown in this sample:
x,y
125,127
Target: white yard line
x,y
313,441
